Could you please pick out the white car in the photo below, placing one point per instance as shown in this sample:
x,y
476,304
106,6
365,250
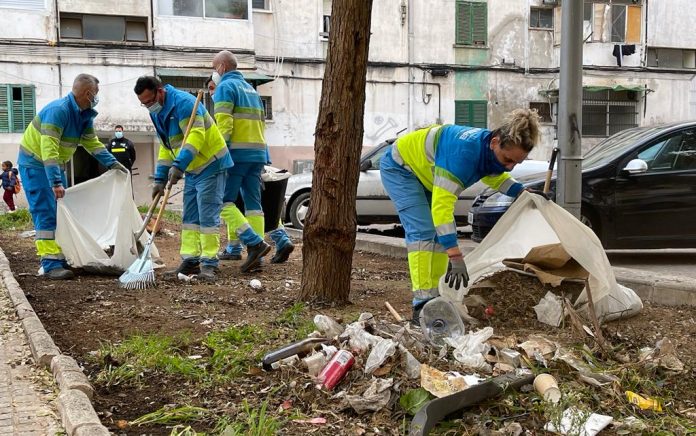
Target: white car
x,y
373,205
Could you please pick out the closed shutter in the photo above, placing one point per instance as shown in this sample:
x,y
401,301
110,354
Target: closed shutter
x,y
473,113
23,109
633,24
471,23
4,109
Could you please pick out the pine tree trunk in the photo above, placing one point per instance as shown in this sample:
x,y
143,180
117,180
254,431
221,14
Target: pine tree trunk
x,y
330,225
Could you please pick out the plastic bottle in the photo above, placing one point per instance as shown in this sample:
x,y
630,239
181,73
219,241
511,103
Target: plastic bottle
x,y
336,369
300,348
317,361
439,319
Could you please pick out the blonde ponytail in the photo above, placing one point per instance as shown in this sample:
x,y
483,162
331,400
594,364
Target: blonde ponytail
x,y
521,128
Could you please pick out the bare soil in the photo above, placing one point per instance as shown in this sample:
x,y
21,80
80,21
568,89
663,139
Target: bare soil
x,y
89,311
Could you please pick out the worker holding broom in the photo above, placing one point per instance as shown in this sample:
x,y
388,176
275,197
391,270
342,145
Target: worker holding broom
x,y
49,142
203,158
425,171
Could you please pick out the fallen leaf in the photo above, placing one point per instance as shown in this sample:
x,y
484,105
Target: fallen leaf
x,y
286,404
122,424
317,420
383,370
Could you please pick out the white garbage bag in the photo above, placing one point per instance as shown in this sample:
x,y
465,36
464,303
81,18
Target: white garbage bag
x,y
100,216
532,221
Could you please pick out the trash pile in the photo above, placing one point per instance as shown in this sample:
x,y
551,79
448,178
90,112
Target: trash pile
x,y
454,361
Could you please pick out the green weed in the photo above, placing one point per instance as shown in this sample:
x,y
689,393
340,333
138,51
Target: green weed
x,y
234,350
19,220
173,415
256,422
167,216
293,318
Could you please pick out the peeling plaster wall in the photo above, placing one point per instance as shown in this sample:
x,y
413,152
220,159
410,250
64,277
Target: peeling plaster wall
x,y
670,24
291,30
204,32
28,24
137,8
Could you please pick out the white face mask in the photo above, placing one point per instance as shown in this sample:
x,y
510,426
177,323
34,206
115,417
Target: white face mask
x,y
93,102
216,78
155,108
119,135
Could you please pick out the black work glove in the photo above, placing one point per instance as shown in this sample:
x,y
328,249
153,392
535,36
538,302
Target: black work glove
x,y
457,276
157,189
175,174
545,195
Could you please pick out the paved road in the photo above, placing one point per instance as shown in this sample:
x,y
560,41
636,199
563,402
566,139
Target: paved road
x,y
668,262
27,394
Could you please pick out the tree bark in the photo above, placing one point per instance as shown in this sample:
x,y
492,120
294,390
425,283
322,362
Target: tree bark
x,y
330,225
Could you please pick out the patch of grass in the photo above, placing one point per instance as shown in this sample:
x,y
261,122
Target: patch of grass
x,y
168,415
234,350
294,319
19,220
255,422
167,216
180,430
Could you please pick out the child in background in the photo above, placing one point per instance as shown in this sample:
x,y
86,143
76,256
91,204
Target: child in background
x,y
9,180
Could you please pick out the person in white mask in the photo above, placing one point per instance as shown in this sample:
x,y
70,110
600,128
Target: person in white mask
x,y
122,148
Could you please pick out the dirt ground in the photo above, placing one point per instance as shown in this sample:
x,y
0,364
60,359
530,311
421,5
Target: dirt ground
x,y
84,314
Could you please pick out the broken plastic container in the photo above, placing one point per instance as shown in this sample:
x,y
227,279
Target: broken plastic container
x,y
439,319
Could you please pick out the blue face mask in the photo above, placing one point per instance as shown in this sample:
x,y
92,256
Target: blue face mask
x,y
155,108
119,135
94,101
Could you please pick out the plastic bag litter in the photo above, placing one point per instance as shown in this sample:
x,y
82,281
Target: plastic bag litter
x,y
579,423
359,339
380,352
470,348
412,365
328,326
663,355
376,396
549,310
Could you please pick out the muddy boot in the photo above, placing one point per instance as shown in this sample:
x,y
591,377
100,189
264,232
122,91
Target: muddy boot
x,y
415,315
283,254
254,255
208,273
231,252
185,268
59,273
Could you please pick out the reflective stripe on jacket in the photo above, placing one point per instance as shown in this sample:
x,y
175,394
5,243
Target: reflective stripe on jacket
x,y
204,146
240,118
448,159
53,135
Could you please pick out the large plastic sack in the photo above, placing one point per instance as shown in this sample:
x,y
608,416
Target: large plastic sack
x,y
532,221
96,224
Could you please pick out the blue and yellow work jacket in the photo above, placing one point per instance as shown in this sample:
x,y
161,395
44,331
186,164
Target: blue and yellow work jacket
x,y
448,159
240,118
55,133
204,151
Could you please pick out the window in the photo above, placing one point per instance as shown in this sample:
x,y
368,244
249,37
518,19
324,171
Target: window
x,y
607,21
17,107
671,58
677,153
267,106
231,9
103,28
541,18
473,113
472,23
192,85
325,19
543,109
607,112
261,4
35,5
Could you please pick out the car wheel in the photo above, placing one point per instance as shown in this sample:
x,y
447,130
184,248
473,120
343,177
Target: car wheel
x,y
298,210
591,220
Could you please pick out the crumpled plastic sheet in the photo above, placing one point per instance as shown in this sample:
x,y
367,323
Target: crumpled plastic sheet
x,y
375,398
471,348
380,352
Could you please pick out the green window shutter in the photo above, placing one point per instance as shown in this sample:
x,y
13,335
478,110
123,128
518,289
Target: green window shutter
x,y
479,24
471,23
24,108
4,109
473,113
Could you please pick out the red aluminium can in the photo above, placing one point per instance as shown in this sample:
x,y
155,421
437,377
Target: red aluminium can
x,y
336,369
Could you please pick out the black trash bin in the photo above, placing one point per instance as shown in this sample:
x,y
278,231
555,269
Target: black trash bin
x,y
272,202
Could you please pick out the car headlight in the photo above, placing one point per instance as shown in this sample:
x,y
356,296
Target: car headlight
x,y
498,200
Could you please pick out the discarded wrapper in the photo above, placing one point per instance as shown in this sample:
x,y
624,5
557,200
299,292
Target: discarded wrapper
x,y
644,403
439,383
576,422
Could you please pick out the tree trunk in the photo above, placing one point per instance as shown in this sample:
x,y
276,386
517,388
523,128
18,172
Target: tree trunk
x,y
329,232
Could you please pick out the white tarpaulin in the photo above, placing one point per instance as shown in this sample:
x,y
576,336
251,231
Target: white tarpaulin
x,y
100,216
532,221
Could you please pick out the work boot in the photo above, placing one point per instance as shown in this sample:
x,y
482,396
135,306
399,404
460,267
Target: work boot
x,y
59,273
185,268
283,254
208,273
254,255
415,316
224,255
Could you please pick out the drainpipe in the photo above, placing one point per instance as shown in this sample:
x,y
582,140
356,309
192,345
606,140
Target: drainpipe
x,y
411,38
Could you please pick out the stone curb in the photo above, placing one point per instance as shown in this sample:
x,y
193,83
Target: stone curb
x,y
77,413
665,290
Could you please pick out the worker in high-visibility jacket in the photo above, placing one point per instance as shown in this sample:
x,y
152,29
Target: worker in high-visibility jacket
x,y
203,158
240,116
425,171
49,142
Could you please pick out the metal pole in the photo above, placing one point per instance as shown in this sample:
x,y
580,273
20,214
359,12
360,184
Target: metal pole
x,y
568,185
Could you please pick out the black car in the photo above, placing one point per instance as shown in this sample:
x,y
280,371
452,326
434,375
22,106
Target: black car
x,y
638,190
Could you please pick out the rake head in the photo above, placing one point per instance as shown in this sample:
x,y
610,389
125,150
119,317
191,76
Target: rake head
x,y
141,274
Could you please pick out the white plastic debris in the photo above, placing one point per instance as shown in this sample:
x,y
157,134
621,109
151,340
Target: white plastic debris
x,y
376,396
380,352
470,348
359,339
255,284
549,310
184,277
578,423
413,366
328,326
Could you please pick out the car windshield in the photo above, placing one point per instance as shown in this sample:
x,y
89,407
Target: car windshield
x,y
611,147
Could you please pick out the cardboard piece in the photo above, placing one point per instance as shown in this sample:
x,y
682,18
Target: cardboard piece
x,y
550,263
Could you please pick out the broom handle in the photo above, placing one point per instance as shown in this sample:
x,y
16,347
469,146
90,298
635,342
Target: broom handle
x,y
168,189
148,217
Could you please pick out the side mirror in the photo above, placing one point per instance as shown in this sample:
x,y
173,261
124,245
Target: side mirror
x,y
636,166
365,165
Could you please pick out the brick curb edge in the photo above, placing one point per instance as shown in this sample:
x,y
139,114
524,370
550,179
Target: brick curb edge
x,y
74,401
657,288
